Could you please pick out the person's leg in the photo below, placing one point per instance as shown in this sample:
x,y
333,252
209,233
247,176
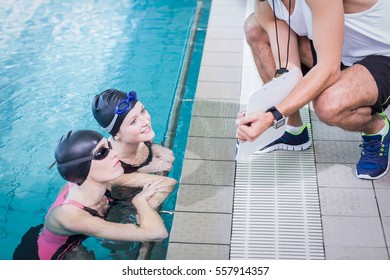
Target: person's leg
x,y
296,137
258,40
355,102
348,103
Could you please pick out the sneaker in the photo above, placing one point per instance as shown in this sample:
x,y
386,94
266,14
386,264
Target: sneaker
x,y
374,159
290,141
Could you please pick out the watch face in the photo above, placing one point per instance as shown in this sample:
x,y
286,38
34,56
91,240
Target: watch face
x,y
279,123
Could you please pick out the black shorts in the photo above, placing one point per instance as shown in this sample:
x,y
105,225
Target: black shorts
x,y
379,67
305,69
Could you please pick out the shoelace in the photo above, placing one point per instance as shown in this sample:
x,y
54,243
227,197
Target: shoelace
x,y
372,150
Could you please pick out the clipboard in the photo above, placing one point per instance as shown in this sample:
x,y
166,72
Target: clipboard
x,y
270,94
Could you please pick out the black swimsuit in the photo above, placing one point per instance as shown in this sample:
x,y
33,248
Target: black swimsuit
x,y
129,168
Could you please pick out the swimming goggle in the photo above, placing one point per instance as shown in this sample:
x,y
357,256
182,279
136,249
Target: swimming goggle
x,y
100,154
121,108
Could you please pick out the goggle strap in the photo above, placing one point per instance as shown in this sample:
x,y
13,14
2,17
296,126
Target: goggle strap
x,y
75,161
111,125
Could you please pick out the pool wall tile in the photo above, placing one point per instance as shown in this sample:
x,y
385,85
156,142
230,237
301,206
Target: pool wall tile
x,y
383,197
214,108
229,33
219,74
188,251
383,182
222,45
205,198
212,127
356,253
225,3
353,231
337,151
203,228
386,227
339,176
224,21
211,148
208,172
321,131
222,59
348,202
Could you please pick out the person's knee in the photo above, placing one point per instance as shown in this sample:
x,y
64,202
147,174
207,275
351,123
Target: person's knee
x,y
328,107
254,33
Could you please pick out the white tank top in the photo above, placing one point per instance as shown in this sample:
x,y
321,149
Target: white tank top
x,y
366,33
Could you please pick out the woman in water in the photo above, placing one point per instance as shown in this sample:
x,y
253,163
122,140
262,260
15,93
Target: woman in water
x,y
129,123
86,160
124,117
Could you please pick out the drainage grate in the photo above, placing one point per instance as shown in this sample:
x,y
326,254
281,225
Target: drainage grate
x,y
276,208
276,213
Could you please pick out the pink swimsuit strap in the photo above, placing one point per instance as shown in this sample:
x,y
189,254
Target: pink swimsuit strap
x,y
73,202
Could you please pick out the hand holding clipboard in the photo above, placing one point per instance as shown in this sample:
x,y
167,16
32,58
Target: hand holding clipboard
x,y
270,94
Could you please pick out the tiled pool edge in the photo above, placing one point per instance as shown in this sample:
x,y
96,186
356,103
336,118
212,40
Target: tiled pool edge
x,y
203,215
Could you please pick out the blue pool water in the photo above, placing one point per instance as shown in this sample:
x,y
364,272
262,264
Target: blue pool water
x,y
54,57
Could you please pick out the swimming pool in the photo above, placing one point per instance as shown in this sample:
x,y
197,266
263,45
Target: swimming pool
x,y
56,55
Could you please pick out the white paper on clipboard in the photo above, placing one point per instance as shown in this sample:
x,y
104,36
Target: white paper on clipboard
x,y
270,94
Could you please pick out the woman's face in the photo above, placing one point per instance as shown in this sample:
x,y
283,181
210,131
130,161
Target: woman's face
x,y
105,169
137,126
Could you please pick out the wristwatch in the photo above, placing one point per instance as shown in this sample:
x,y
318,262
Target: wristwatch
x,y
279,119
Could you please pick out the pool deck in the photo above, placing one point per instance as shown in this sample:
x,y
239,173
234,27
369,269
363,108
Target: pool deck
x,y
354,213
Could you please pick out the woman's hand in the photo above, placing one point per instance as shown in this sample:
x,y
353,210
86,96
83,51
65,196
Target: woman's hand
x,y
163,152
150,189
163,159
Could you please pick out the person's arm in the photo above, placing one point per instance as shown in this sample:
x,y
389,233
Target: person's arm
x,y
163,159
137,180
328,29
328,32
151,226
249,127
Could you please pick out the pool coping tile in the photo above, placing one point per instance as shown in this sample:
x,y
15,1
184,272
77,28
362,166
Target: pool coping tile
x,y
191,251
201,228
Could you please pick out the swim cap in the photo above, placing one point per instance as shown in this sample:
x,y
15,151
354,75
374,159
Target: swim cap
x,y
71,151
104,108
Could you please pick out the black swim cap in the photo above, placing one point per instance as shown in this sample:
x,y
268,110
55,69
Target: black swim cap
x,y
104,105
74,146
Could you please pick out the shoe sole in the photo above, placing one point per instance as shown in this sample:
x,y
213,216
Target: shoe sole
x,y
285,147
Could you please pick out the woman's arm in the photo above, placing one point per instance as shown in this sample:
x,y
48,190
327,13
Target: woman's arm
x,y
137,180
163,159
151,226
